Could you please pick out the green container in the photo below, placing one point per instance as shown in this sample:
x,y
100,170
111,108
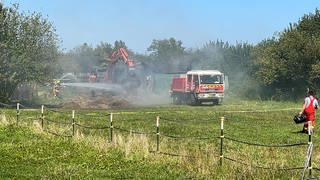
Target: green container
x,y
162,82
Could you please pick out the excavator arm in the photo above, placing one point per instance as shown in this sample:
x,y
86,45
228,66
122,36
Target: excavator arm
x,y
113,74
121,54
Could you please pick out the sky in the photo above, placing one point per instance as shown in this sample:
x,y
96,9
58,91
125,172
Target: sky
x,y
139,22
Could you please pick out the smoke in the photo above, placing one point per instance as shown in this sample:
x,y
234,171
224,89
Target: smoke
x,y
232,60
146,98
155,91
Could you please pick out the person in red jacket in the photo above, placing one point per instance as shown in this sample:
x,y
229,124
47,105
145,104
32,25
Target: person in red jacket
x,y
309,106
92,77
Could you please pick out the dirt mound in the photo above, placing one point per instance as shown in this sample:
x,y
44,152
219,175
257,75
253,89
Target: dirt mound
x,y
97,102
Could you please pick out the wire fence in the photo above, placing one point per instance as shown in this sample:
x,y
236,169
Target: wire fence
x,y
7,105
92,127
262,167
265,145
132,132
73,124
179,121
188,137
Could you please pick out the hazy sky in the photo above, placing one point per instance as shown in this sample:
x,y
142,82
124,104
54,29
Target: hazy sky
x,y
194,22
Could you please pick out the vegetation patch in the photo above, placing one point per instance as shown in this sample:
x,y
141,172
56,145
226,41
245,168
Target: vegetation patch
x,y
189,143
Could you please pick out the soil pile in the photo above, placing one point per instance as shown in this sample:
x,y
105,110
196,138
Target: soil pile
x,y
86,101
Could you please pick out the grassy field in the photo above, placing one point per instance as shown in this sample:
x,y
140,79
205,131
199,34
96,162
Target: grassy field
x,y
189,143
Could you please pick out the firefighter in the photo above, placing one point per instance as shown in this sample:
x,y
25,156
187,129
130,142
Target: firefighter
x,y
92,77
308,108
56,89
148,82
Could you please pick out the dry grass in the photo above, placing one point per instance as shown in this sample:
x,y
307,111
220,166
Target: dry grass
x,y
4,120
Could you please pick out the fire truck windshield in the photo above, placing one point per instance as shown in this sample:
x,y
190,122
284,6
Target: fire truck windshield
x,y
211,79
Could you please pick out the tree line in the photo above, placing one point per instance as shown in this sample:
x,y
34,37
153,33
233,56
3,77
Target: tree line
x,y
281,67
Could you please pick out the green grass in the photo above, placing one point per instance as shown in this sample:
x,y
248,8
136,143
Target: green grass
x,y
27,152
29,155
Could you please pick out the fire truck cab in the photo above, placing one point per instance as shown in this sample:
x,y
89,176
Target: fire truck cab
x,y
197,86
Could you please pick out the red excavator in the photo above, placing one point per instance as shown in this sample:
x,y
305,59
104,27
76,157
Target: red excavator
x,y
122,70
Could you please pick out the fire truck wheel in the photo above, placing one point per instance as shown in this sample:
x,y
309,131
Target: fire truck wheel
x,y
215,102
176,99
193,100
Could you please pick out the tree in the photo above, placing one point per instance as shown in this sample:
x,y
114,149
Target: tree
x,y
167,53
119,44
28,50
102,52
289,64
83,57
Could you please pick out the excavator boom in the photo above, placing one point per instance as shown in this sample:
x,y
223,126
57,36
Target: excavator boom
x,y
120,72
121,54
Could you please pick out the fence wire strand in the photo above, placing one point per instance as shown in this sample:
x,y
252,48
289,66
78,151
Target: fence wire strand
x,y
172,154
24,107
317,169
55,111
262,167
6,105
57,122
185,122
93,116
56,134
265,145
133,132
91,127
188,137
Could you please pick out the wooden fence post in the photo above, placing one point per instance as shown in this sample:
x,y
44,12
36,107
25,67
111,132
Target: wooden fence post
x,y
42,116
310,132
111,127
158,134
18,113
221,140
73,123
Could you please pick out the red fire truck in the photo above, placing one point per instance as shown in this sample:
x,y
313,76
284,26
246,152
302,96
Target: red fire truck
x,y
197,86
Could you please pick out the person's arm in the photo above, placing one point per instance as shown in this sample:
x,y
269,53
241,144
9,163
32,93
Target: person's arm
x,y
303,107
